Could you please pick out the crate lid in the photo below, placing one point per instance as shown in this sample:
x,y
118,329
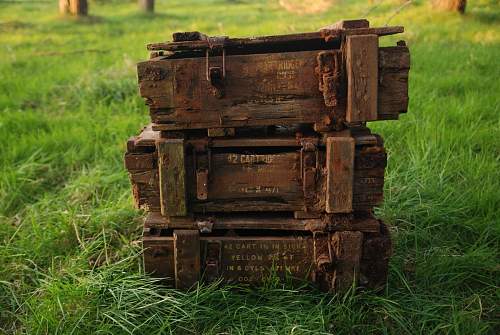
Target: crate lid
x,y
192,44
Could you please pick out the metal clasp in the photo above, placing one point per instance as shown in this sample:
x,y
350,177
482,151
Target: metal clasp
x,y
210,70
215,74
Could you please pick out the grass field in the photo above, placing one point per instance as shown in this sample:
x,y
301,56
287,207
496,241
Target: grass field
x,y
69,237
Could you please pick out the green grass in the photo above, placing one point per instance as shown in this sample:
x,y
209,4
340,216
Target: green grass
x,y
69,237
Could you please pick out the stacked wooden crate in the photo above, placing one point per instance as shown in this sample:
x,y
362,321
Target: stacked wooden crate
x,y
259,162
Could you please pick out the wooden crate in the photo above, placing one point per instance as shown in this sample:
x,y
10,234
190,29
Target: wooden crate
x,y
294,171
330,260
333,78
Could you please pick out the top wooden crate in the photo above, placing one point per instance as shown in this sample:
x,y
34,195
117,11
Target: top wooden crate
x,y
333,78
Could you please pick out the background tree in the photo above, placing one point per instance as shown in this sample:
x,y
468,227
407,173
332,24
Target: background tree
x,y
451,5
73,7
147,5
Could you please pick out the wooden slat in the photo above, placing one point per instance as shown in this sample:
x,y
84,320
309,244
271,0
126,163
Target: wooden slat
x,y
159,258
172,177
377,249
362,77
347,248
139,161
394,66
238,179
263,89
340,172
186,258
266,43
262,222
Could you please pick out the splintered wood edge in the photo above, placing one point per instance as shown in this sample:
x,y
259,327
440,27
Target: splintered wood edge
x,y
147,137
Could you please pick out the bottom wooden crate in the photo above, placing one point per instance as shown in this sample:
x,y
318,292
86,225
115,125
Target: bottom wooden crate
x,y
330,260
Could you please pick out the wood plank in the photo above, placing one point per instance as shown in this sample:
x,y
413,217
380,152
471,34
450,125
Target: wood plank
x,y
377,249
347,247
394,66
262,222
159,258
237,179
362,77
284,91
276,42
172,177
186,258
139,161
340,174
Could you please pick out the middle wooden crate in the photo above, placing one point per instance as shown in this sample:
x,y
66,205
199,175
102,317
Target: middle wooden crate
x,y
286,170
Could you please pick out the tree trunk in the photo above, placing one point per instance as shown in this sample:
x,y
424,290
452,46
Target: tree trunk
x,y
64,7
78,7
450,5
147,6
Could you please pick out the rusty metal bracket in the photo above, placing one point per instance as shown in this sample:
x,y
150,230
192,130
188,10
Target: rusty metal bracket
x,y
201,164
212,71
212,260
205,226
216,74
308,169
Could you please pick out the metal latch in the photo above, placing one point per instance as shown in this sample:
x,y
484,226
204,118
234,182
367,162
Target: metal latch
x,y
216,74
212,260
205,225
202,161
308,170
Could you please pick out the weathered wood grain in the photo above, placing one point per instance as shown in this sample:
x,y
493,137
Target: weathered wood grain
x,y
264,89
139,161
158,255
236,180
207,223
377,250
348,248
187,261
172,173
394,66
362,77
340,177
